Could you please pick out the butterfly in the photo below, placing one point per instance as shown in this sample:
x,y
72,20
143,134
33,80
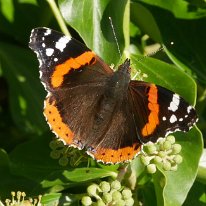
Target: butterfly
x,y
90,106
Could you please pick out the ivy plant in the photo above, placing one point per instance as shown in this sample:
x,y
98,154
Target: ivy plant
x,y
165,41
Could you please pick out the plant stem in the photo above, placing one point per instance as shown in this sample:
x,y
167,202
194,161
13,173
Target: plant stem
x,y
58,17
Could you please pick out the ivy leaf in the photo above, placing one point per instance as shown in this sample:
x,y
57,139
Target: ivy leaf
x,y
186,173
186,51
166,75
92,23
25,91
180,9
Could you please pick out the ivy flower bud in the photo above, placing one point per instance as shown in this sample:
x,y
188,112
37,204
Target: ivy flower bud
x,y
126,194
60,143
100,203
157,159
115,185
104,186
173,168
167,145
92,191
166,165
162,154
129,202
55,154
86,201
120,203
145,160
63,161
107,198
171,139
151,168
178,159
53,144
150,148
176,148
116,195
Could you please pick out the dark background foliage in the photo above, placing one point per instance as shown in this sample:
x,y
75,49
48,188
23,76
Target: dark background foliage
x,y
141,26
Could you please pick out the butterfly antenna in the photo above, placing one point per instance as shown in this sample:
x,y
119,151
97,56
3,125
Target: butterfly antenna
x,y
115,37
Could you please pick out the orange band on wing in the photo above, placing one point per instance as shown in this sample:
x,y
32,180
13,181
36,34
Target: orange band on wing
x,y
55,121
114,156
72,63
153,119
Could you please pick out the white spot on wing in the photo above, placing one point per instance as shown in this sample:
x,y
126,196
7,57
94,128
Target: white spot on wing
x,y
43,45
49,51
55,59
164,118
173,119
39,59
48,31
61,43
174,103
189,108
40,74
169,132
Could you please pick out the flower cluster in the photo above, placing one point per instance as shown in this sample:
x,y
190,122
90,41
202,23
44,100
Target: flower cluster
x,y
106,193
64,153
164,153
18,199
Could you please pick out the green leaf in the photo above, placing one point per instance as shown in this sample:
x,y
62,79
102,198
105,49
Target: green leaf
x,y
185,176
7,9
68,178
26,94
16,18
60,199
51,199
186,51
32,160
197,195
201,175
11,182
143,18
180,9
176,80
166,75
92,23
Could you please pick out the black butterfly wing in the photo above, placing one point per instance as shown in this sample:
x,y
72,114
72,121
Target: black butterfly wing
x,y
65,61
74,77
159,111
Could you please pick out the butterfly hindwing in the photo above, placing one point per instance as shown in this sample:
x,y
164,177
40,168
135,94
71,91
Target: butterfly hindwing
x,y
162,111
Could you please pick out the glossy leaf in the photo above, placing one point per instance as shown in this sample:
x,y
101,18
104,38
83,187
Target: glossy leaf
x,y
165,75
25,90
185,175
92,23
71,177
186,51
17,18
32,160
11,182
180,9
197,195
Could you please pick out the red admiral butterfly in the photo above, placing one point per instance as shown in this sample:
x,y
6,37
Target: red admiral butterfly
x,y
90,106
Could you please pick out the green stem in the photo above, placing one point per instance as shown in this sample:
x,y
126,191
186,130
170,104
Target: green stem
x,y
122,172
201,174
58,17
